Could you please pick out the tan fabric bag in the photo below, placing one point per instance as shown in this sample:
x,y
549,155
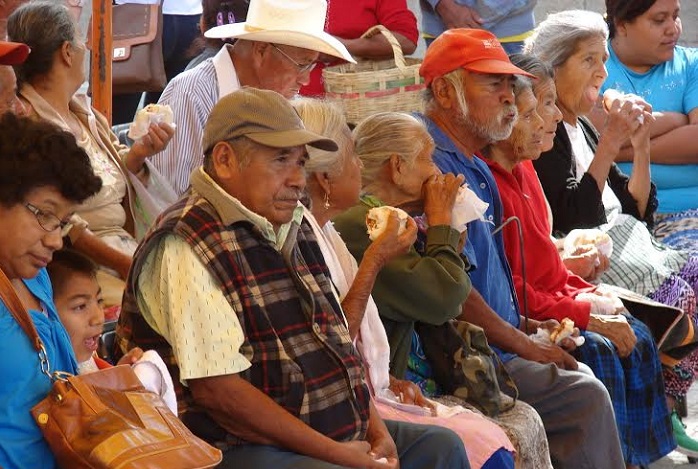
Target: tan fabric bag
x,y
107,419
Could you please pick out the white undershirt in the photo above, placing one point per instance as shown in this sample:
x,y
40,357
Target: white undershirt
x,y
583,156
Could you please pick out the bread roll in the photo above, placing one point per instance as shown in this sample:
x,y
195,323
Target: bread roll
x,y
377,220
562,331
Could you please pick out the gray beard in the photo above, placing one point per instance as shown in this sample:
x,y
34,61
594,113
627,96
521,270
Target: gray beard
x,y
491,131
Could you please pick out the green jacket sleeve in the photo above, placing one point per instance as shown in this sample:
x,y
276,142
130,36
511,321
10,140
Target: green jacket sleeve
x,y
412,287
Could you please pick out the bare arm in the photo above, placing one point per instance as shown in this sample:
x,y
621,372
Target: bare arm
x,y
245,411
457,16
639,184
377,46
387,246
677,145
508,338
622,122
663,122
102,253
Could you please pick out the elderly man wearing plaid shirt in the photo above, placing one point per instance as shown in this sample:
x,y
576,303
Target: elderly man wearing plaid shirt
x,y
232,278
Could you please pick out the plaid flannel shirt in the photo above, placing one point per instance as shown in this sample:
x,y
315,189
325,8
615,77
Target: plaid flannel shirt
x,y
295,338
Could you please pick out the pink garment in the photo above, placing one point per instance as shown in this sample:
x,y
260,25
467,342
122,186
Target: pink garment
x,y
481,437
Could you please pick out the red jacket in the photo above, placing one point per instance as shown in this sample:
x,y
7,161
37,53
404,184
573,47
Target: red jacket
x,y
550,287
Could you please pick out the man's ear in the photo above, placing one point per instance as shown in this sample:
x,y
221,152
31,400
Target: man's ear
x,y
443,92
224,160
259,51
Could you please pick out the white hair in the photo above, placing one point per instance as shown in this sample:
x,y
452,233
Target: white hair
x,y
384,134
556,39
327,120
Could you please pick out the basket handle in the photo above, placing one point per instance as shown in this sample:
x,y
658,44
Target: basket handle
x,y
397,49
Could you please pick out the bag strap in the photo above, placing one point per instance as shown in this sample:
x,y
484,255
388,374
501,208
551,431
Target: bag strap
x,y
8,295
19,312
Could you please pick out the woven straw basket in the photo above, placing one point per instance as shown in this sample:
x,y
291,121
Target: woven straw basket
x,y
372,86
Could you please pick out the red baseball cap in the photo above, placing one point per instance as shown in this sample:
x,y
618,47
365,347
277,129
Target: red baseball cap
x,y
475,50
13,53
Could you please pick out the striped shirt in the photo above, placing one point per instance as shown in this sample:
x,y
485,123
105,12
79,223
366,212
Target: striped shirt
x,y
192,94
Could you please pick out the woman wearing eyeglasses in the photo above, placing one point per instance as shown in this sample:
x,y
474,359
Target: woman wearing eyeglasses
x,y
48,82
347,20
44,176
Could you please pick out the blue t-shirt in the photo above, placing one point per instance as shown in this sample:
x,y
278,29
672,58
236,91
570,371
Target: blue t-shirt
x,y
490,273
670,87
23,384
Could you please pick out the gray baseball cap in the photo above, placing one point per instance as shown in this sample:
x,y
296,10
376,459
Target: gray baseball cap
x,y
264,117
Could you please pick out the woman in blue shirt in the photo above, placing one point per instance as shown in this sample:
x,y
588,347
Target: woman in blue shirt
x,y
44,175
644,59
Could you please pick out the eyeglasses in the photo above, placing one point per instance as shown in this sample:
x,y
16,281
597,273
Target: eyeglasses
x,y
302,68
48,221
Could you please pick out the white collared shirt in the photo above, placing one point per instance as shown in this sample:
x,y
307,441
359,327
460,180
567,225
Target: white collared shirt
x,y
192,95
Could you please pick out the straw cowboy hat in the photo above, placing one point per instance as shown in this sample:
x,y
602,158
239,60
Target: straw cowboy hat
x,y
296,23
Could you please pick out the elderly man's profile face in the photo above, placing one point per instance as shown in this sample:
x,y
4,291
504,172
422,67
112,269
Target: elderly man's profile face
x,y
8,92
271,183
286,69
488,108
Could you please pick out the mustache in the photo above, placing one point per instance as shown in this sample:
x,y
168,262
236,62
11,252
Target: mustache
x,y
291,195
509,109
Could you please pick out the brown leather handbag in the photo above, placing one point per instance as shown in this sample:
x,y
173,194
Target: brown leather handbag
x,y
107,419
137,62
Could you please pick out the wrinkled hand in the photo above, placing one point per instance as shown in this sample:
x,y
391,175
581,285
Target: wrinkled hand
x,y
389,244
457,16
587,262
131,357
623,118
409,393
641,137
155,141
383,446
543,351
440,193
616,329
359,454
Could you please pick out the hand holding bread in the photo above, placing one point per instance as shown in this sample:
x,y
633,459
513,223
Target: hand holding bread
x,y
392,231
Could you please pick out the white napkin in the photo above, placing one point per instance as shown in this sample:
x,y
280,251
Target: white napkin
x,y
468,207
152,372
150,115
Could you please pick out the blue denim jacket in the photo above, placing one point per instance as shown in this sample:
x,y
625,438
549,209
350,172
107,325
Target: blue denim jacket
x,y
490,273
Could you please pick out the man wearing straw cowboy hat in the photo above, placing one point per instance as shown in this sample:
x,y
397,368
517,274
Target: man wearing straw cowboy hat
x,y
11,53
276,49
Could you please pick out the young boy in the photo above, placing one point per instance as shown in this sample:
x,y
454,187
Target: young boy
x,y
78,299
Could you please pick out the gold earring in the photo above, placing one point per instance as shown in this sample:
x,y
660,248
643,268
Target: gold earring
x,y
327,204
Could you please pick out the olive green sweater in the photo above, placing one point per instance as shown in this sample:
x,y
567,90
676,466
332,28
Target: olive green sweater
x,y
413,287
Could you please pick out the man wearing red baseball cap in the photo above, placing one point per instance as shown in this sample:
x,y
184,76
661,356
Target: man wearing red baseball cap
x,y
11,53
470,104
